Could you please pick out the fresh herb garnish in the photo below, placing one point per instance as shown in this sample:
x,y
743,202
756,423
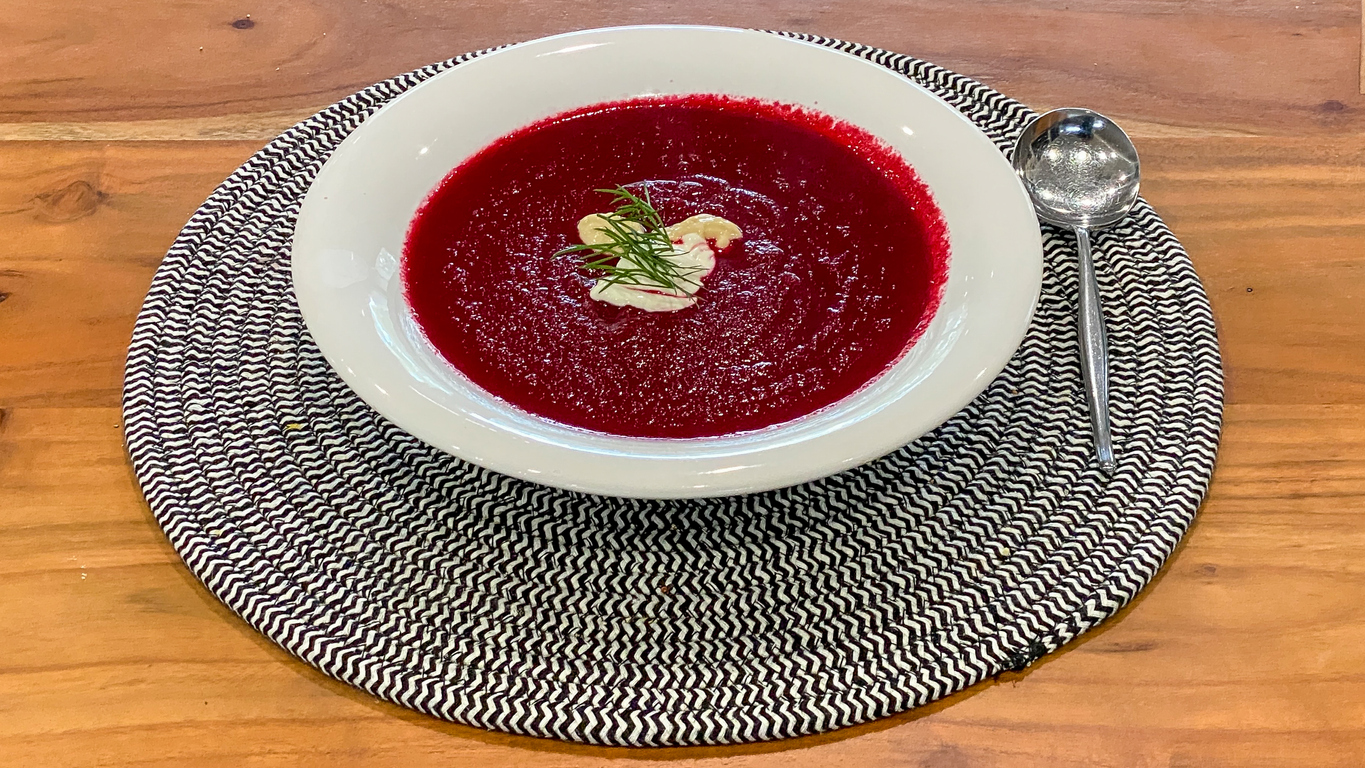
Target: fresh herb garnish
x,y
637,247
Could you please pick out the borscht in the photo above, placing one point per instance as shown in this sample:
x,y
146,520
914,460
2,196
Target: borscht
x,y
778,260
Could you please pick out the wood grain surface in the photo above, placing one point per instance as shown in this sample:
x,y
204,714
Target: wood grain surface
x,y
117,118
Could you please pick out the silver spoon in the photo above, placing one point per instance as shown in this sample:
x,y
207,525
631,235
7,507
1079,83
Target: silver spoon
x,y
1081,170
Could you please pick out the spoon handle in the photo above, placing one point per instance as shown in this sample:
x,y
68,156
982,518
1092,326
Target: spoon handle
x,y
1094,354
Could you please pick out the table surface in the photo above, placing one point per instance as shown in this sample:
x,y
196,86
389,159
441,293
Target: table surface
x,y
1247,650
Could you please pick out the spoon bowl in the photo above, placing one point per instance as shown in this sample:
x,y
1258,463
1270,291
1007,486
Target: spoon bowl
x,y
1079,167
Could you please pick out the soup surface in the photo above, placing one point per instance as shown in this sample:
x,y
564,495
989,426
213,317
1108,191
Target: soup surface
x,y
840,267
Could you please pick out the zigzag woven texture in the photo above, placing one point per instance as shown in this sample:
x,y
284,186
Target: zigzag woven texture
x,y
490,601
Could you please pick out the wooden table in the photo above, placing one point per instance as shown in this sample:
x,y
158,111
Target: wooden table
x,y
1248,649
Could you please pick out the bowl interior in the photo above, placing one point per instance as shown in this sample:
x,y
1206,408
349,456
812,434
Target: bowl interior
x,y
351,229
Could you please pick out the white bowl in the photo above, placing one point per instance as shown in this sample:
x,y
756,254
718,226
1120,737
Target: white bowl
x,y
353,222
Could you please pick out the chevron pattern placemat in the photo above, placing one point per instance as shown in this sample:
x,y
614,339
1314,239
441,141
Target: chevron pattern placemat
x,y
499,603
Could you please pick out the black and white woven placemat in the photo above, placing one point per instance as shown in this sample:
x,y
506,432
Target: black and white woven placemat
x,y
503,604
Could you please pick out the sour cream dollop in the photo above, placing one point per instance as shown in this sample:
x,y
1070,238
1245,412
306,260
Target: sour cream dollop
x,y
692,253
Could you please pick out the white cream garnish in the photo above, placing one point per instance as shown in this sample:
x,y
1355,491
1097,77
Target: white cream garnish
x,y
709,227
692,254
592,228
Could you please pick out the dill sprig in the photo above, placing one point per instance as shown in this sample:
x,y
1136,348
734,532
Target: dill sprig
x,y
638,247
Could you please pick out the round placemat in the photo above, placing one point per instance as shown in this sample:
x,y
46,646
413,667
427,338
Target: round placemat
x,y
499,603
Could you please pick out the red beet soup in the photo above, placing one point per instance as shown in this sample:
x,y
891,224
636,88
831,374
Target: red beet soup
x,y
839,270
